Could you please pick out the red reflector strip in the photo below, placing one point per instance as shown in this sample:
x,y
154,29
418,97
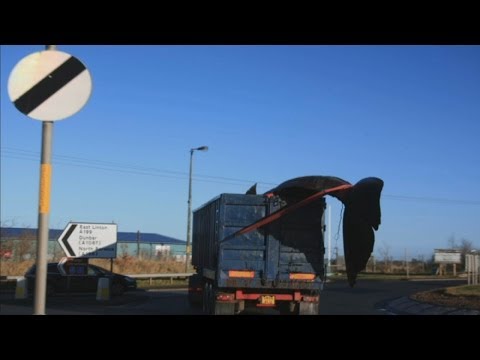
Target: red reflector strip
x,y
302,276
241,274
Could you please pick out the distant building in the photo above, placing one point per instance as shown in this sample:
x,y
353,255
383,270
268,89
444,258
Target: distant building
x,y
150,245
19,243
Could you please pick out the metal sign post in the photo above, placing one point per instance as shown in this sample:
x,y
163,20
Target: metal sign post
x,y
48,86
43,217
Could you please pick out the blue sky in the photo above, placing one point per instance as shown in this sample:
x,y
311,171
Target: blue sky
x,y
407,114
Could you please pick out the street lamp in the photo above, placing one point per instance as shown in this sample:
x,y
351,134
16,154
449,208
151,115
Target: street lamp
x,y
189,221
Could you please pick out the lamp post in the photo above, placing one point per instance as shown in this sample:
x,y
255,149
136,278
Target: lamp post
x,y
189,220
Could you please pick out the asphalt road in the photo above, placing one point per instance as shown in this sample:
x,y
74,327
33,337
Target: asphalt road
x,y
371,297
366,298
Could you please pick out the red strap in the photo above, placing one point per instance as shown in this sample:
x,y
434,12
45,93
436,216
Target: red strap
x,y
278,214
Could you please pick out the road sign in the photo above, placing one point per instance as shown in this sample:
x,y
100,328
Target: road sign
x,y
49,85
447,256
89,240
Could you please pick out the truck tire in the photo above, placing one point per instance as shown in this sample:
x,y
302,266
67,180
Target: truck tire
x,y
206,298
195,299
308,308
288,308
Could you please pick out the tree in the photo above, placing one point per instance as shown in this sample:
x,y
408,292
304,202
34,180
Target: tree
x,y
465,246
452,244
25,246
6,244
384,251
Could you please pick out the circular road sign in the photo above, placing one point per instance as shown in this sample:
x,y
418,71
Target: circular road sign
x,y
49,85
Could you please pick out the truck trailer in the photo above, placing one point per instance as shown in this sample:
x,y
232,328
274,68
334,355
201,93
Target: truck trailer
x,y
279,265
268,250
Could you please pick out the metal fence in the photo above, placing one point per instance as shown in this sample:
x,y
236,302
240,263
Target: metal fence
x,y
472,268
150,277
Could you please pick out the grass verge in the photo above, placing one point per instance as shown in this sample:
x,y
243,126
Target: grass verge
x,y
369,276
465,290
161,283
463,297
122,265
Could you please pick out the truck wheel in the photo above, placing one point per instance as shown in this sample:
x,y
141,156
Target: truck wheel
x,y
211,300
308,308
195,297
222,308
288,308
206,299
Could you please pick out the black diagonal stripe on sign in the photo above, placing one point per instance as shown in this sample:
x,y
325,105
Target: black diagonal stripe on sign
x,y
65,238
49,85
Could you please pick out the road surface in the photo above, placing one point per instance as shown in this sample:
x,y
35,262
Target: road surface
x,y
366,298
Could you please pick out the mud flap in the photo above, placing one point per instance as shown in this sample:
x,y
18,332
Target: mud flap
x,y
224,308
308,308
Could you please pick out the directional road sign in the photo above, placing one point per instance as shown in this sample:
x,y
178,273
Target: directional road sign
x,y
49,85
89,240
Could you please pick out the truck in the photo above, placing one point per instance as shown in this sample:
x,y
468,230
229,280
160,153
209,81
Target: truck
x,y
279,265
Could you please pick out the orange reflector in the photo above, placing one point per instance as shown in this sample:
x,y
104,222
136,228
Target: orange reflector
x,y
241,274
301,276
